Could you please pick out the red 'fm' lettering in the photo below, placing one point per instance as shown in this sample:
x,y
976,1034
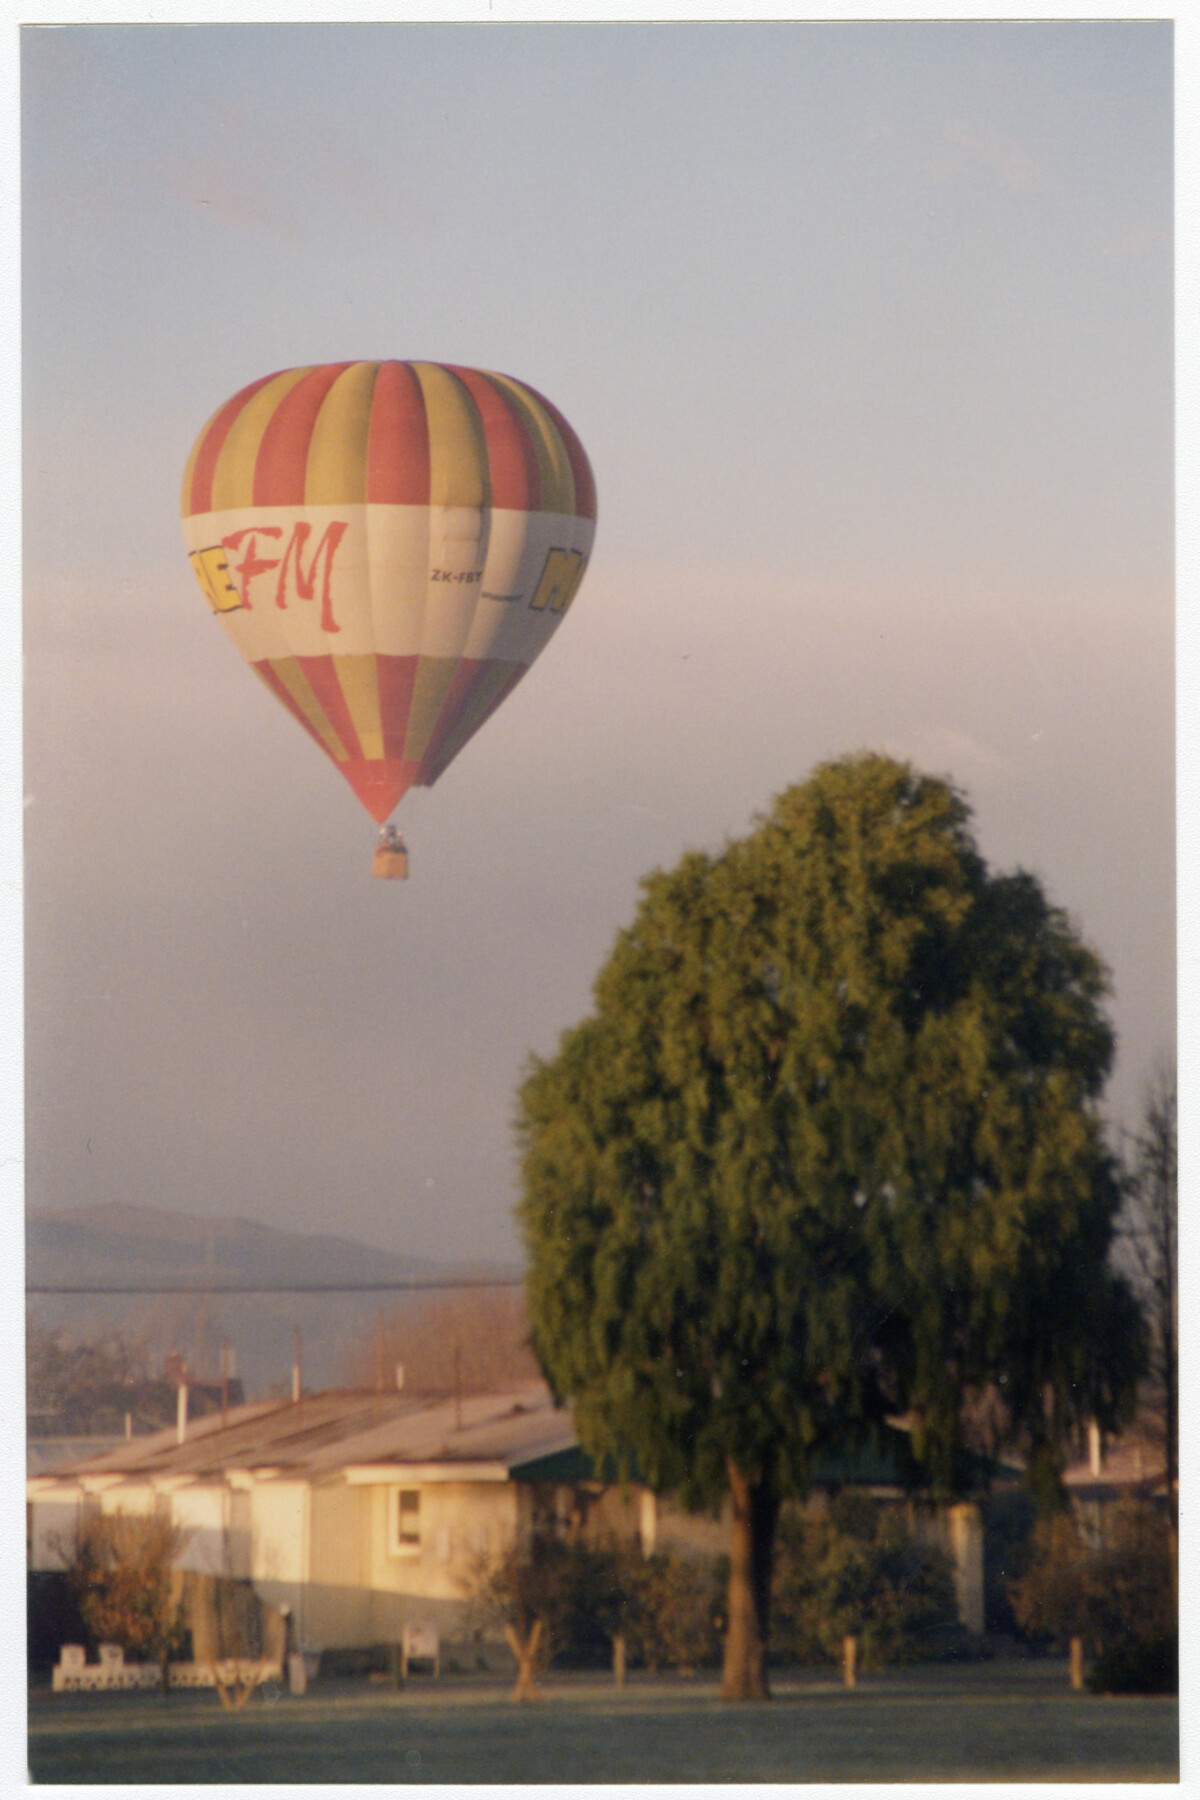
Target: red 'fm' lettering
x,y
292,560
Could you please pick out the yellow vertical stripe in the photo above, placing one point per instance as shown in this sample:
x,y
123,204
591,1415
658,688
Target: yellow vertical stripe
x,y
336,474
458,461
558,483
360,690
233,478
434,675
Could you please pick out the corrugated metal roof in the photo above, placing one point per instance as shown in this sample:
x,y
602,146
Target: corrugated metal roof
x,y
322,1434
519,1431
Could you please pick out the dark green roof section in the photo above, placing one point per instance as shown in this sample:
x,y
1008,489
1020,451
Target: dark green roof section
x,y
883,1461
573,1464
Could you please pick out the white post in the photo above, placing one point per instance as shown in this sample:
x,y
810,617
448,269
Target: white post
x,y
966,1546
181,1399
647,1521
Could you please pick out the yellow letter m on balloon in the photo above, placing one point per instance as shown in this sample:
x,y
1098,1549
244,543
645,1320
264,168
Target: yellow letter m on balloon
x,y
560,578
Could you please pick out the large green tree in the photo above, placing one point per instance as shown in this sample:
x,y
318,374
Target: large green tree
x,y
826,1149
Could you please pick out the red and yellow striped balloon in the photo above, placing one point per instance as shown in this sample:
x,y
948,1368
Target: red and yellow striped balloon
x,y
389,545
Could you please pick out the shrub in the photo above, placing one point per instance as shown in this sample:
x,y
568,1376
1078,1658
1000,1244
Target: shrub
x,y
1130,1667
119,1569
1119,1595
575,1590
666,1606
673,1609
857,1570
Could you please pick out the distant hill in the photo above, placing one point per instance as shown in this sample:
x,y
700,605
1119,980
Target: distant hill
x,y
98,1246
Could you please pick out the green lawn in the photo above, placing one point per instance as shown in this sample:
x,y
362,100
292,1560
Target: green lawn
x,y
992,1722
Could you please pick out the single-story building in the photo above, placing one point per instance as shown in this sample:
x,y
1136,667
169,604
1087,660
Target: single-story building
x,y
365,1513
1130,1466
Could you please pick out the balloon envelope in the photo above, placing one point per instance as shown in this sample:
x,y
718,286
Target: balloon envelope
x,y
389,545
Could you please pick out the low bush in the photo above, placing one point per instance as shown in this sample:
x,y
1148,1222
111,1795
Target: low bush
x,y
118,1567
673,1615
857,1570
576,1590
1131,1666
1117,1593
667,1607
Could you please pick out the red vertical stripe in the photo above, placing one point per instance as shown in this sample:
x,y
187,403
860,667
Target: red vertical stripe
x,y
394,679
512,459
321,676
283,451
398,444
218,430
581,468
268,675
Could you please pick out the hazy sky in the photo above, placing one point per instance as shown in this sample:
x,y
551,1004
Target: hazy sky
x,y
867,331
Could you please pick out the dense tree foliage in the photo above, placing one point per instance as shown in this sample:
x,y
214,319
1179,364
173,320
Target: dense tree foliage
x,y
826,1148
1149,1247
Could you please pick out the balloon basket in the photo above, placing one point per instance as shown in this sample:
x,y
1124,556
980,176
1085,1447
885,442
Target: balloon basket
x,y
390,861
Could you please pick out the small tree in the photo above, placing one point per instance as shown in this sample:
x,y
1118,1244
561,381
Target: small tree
x,y
119,1568
827,1148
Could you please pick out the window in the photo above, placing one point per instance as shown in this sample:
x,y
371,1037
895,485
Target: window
x,y
407,1534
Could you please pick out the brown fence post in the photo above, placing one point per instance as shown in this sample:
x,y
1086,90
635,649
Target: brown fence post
x,y
619,1659
850,1661
1077,1664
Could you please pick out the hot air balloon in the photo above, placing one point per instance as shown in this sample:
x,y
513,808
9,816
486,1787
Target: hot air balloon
x,y
389,545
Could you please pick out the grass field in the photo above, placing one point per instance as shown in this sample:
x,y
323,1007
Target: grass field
x,y
990,1722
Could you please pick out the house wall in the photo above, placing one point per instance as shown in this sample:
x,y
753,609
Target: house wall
x,y
465,1528
135,1499
279,1547
337,1599
675,1529
958,1530
53,1520
205,1515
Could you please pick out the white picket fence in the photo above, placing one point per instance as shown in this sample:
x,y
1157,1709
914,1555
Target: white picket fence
x,y
73,1673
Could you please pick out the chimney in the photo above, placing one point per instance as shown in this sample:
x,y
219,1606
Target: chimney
x,y
181,1405
1095,1448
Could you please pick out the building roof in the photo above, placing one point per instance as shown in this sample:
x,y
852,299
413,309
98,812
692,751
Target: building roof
x,y
361,1435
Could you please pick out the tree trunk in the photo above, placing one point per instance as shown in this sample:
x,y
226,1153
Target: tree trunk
x,y
751,1548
